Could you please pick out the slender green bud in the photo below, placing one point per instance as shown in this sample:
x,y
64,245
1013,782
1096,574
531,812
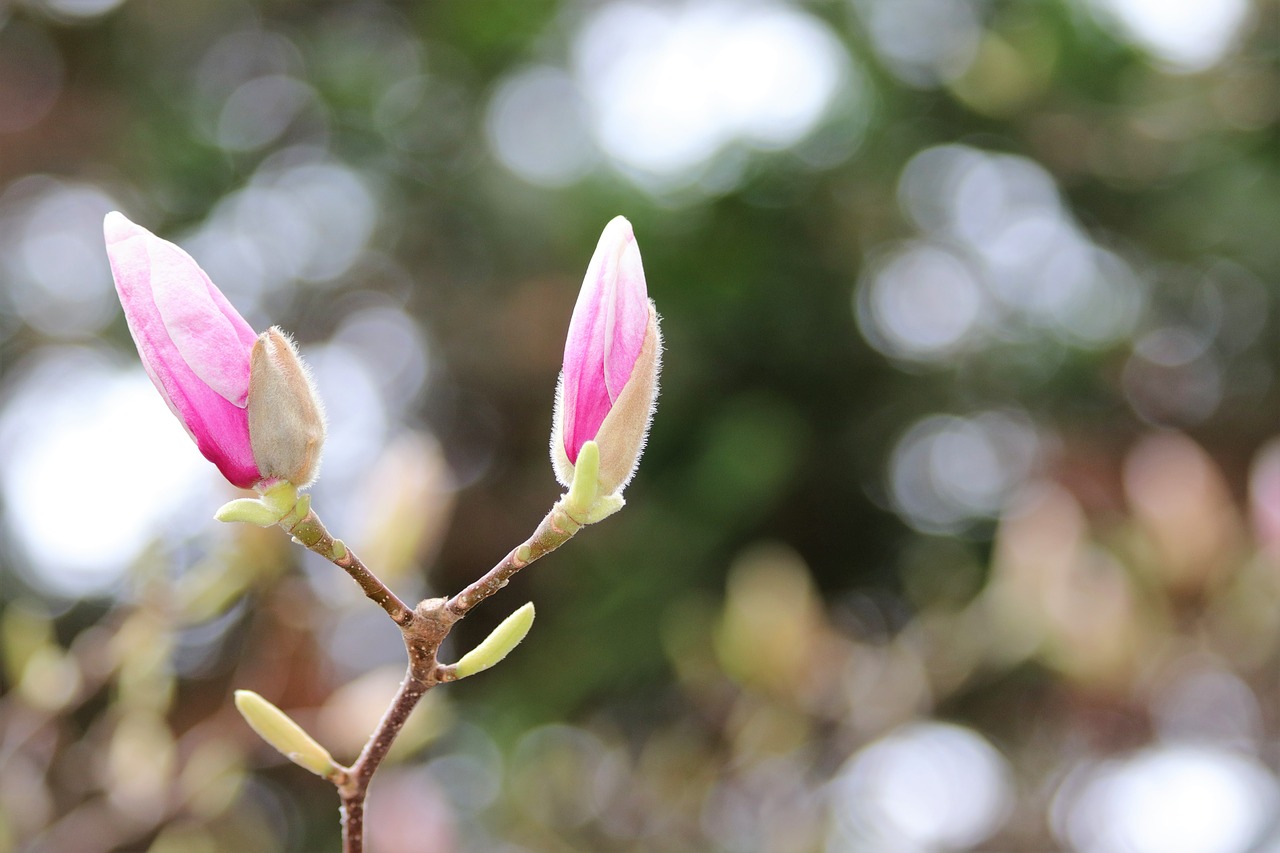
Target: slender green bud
x,y
584,486
498,644
249,511
585,501
299,512
275,503
604,507
278,729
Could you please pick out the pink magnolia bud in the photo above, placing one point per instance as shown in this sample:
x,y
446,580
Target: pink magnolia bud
x,y
194,345
246,399
609,383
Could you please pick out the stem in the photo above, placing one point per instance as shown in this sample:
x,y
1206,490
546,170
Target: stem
x,y
423,628
354,788
311,532
428,625
556,529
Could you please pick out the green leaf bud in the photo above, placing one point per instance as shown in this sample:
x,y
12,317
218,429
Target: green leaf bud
x,y
498,644
290,740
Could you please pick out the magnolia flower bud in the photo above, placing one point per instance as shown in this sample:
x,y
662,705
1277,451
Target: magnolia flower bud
x,y
194,345
609,384
286,419
246,399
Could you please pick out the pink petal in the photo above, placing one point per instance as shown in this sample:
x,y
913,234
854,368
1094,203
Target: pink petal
x,y
605,334
628,318
219,427
212,337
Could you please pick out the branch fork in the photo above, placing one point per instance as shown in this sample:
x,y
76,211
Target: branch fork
x,y
423,627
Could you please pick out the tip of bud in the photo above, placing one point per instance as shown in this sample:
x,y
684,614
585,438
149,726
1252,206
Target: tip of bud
x,y
619,229
117,227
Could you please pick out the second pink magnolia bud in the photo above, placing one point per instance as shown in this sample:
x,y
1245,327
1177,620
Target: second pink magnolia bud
x,y
286,420
612,357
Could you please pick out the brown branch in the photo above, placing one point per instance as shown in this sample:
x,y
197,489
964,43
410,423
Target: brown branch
x,y
423,628
556,529
426,630
311,532
355,786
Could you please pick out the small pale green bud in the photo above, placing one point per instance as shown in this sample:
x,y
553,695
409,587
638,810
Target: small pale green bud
x,y
286,420
585,502
282,496
278,729
249,511
299,512
498,644
584,487
605,507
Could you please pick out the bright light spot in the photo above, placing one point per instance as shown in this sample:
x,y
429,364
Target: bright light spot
x,y
1041,241
81,8
1028,253
51,255
339,212
923,302
927,185
302,217
93,464
946,470
1208,705
1187,35
562,776
923,42
927,786
392,346
972,195
1106,305
671,86
1170,799
538,127
358,427
472,782
1173,378
998,192
233,61
260,110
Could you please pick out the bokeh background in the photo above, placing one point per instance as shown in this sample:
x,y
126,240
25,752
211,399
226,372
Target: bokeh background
x,y
959,526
